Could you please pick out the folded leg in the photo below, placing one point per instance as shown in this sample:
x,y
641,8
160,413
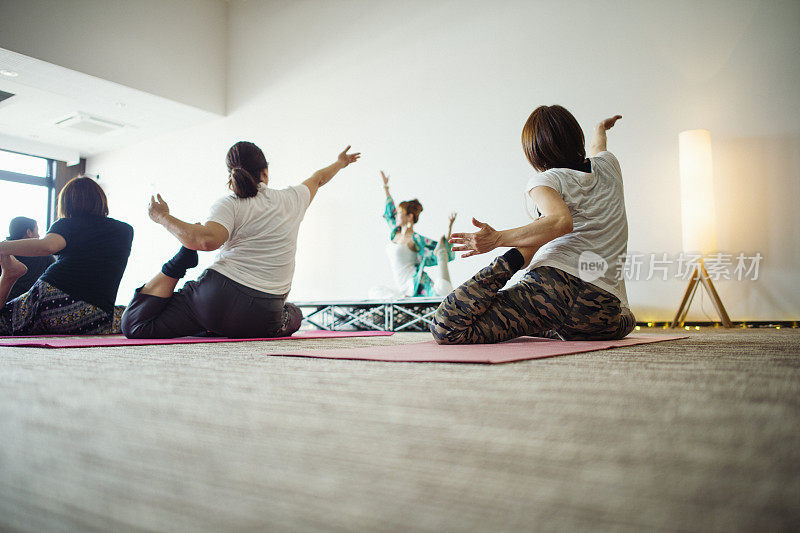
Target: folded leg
x,y
480,312
155,317
45,309
596,315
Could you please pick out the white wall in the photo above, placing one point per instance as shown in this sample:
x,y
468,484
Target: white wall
x,y
436,93
171,48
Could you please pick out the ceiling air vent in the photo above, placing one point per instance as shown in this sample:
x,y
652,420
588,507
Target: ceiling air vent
x,y
5,96
88,124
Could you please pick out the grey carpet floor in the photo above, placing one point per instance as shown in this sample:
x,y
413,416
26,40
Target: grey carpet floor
x,y
701,434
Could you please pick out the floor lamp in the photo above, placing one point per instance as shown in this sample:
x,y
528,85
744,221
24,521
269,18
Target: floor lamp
x,y
699,228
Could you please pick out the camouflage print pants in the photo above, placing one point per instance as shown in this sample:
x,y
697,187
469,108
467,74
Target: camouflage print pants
x,y
547,302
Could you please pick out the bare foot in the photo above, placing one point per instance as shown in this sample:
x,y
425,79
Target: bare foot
x,y
527,254
12,267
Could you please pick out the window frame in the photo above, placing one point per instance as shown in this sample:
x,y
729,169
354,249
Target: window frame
x,y
47,181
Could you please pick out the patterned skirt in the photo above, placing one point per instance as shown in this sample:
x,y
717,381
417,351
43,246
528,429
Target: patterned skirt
x,y
46,310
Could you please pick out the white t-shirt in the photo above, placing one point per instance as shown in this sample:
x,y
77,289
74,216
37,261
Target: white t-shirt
x,y
262,237
594,250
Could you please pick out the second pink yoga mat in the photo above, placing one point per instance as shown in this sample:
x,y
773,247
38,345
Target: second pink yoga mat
x,y
67,341
515,350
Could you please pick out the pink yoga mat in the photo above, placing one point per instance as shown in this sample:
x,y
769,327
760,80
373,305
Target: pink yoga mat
x,y
66,341
515,350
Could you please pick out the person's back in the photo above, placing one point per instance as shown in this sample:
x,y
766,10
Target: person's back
x,y
91,265
260,250
596,202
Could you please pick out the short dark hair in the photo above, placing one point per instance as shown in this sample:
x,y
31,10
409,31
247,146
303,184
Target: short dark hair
x,y
245,162
412,207
552,138
82,196
19,226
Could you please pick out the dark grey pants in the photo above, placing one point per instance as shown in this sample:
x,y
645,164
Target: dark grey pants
x,y
215,304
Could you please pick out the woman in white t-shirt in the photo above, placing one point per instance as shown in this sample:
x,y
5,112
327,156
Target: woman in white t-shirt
x,y
574,248
243,293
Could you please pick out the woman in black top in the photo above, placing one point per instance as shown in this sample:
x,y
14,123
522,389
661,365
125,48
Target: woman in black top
x,y
75,294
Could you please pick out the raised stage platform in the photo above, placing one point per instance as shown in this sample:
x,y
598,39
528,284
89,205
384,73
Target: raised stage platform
x,y
407,314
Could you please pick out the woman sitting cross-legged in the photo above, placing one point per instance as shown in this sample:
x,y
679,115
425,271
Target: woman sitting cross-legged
x,y
574,288
243,293
76,294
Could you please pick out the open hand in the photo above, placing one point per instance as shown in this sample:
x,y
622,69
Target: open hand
x,y
157,209
484,240
608,123
385,178
345,159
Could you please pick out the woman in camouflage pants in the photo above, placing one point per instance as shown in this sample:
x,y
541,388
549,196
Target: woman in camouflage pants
x,y
574,289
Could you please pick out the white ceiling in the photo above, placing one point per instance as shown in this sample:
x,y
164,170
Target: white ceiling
x,y
46,93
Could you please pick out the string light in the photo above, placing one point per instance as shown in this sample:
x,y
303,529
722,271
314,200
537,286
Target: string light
x,y
715,325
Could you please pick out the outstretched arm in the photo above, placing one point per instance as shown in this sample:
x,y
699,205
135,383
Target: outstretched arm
x,y
389,209
323,176
556,220
203,237
599,141
385,178
452,219
48,245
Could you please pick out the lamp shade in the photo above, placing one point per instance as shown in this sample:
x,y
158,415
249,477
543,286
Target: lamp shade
x,y
697,192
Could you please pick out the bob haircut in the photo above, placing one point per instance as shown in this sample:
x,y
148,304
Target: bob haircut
x,y
552,138
412,207
80,197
